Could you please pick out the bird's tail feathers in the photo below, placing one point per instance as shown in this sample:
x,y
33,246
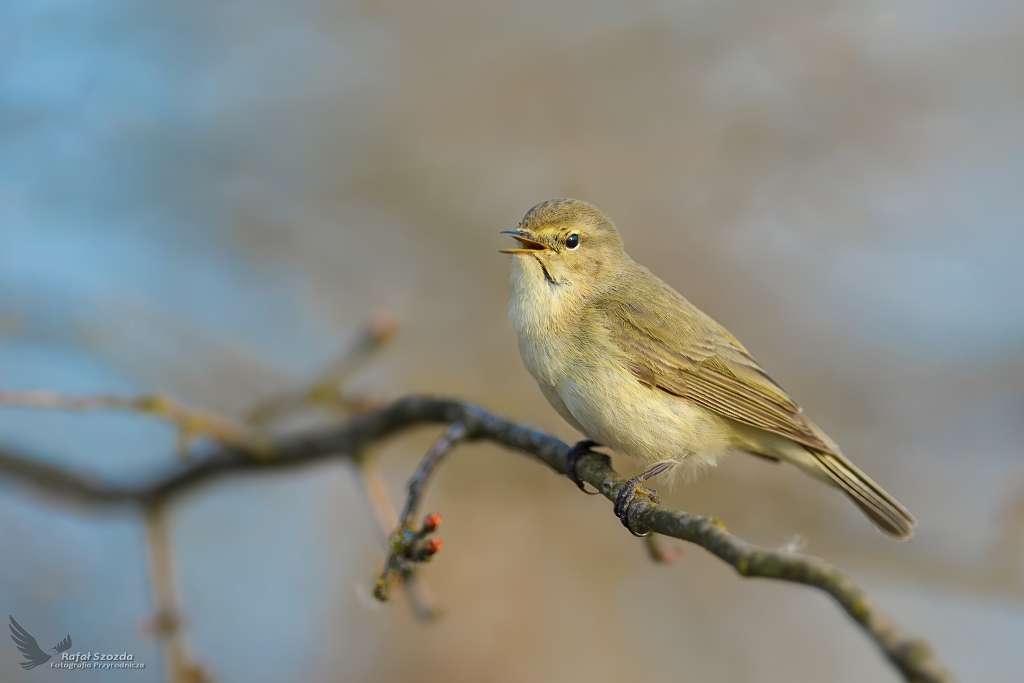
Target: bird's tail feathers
x,y
882,509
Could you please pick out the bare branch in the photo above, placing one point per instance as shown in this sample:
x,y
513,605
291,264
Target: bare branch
x,y
420,597
326,390
190,422
659,551
409,545
431,461
913,657
179,666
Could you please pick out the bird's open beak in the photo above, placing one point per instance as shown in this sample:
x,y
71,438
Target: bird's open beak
x,y
529,246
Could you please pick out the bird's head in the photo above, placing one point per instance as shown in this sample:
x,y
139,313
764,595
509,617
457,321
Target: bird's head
x,y
566,243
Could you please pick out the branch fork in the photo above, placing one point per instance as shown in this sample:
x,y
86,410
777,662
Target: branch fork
x,y
911,656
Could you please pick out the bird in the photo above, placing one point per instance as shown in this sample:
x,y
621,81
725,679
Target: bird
x,y
34,655
635,367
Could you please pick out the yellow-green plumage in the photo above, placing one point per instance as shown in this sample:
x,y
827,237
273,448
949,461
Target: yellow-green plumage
x,y
630,363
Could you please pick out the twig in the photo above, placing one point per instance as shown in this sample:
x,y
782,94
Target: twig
x,y
431,461
659,552
913,657
409,545
166,623
190,422
420,597
326,390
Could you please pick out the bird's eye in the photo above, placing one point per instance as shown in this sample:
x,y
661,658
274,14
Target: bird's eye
x,y
572,241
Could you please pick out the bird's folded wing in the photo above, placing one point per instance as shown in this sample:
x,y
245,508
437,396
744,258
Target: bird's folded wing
x,y
695,358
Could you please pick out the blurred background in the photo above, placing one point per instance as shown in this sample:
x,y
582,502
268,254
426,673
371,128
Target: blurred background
x,y
209,199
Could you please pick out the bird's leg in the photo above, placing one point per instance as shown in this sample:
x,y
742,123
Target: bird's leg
x,y
580,449
629,491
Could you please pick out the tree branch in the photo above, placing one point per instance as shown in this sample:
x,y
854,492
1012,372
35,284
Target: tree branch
x,y
327,389
166,623
189,422
408,545
422,600
913,657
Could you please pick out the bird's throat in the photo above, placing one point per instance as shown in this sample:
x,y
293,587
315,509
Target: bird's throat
x,y
547,275
539,304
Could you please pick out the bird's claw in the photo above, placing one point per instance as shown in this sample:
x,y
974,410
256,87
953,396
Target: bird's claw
x,y
633,487
572,458
625,500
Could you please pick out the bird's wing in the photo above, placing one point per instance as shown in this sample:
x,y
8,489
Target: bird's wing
x,y
64,644
695,358
27,644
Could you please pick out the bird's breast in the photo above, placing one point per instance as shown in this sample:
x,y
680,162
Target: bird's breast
x,y
542,317
637,420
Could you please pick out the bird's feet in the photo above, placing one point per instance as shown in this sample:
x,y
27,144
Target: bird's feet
x,y
633,487
580,449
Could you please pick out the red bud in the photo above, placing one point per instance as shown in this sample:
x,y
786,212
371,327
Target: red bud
x,y
431,521
432,546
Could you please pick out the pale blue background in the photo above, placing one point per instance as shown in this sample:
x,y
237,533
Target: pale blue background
x,y
209,198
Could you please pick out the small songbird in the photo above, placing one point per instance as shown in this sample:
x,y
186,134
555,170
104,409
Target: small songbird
x,y
634,366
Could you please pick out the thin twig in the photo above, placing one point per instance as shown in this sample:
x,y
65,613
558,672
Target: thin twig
x,y
190,422
913,657
326,390
377,495
407,543
166,622
428,466
420,597
659,551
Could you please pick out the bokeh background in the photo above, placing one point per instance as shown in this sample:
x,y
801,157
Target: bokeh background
x,y
209,198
